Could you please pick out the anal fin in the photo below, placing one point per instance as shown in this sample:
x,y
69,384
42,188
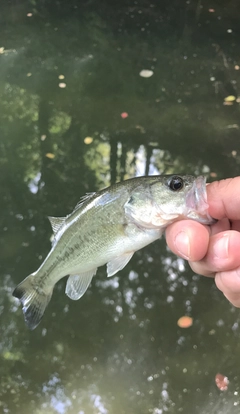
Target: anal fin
x,y
78,284
118,263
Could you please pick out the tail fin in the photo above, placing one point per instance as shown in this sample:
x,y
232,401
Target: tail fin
x,y
34,300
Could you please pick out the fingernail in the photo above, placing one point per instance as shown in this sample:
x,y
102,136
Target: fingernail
x,y
182,244
220,247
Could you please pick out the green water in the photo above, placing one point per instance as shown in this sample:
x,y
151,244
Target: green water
x,y
68,70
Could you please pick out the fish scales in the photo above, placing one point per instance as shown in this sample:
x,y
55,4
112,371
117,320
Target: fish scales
x,y
107,227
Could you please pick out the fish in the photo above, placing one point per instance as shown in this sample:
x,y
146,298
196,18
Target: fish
x,y
108,227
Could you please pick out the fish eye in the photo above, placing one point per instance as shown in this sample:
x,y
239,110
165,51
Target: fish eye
x,y
176,183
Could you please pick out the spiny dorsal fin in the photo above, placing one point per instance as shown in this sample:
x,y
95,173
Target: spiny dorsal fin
x,y
56,223
83,200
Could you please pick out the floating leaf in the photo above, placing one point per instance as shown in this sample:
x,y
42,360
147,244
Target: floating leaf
x,y
185,322
221,382
233,126
146,73
50,155
141,129
12,356
61,77
88,140
230,98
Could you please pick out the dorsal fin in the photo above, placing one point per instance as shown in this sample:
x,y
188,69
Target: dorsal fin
x,y
83,200
56,223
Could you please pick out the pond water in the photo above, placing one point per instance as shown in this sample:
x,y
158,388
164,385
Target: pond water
x,y
77,115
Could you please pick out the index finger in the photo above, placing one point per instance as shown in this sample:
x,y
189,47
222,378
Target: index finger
x,y
224,199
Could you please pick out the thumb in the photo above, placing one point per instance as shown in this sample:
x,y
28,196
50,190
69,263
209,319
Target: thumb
x,y
188,239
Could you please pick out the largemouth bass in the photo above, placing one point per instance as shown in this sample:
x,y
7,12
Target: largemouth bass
x,y
108,227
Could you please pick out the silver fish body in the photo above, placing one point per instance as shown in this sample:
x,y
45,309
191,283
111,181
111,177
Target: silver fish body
x,y
108,227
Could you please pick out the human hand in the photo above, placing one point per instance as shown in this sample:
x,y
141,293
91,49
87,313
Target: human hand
x,y
214,250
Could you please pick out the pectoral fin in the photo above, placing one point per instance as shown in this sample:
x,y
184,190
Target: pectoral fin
x,y
78,284
118,263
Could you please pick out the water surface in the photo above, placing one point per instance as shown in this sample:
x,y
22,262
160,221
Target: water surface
x,y
76,116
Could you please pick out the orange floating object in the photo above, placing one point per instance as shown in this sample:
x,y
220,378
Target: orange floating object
x,y
88,140
230,98
213,174
50,155
221,382
185,322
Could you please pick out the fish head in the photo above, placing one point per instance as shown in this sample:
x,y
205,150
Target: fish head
x,y
181,197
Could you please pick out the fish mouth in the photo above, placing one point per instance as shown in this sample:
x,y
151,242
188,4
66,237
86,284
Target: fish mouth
x,y
196,202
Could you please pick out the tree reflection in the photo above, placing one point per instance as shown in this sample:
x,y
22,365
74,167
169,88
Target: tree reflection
x,y
118,350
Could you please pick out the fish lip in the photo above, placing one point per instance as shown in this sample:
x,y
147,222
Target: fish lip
x,y
196,202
